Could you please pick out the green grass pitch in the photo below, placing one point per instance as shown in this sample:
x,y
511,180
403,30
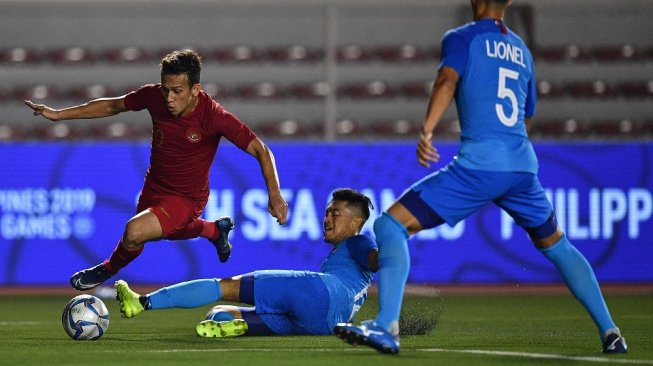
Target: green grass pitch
x,y
515,329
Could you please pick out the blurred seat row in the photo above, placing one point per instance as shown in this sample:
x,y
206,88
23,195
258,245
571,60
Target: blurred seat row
x,y
345,128
319,89
300,53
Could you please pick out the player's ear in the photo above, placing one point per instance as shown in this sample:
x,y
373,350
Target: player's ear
x,y
356,223
195,89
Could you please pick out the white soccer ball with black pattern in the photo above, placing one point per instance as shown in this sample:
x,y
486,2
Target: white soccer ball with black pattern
x,y
85,317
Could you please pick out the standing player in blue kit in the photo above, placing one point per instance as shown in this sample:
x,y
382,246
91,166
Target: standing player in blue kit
x,y
489,70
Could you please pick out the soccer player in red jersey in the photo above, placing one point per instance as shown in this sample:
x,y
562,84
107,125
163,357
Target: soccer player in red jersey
x,y
187,125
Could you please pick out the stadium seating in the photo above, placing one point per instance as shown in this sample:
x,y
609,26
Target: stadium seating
x,y
239,54
550,89
88,92
403,53
279,80
345,128
637,89
126,55
19,55
590,89
291,129
352,53
71,55
39,92
293,54
309,90
216,91
417,89
372,89
264,90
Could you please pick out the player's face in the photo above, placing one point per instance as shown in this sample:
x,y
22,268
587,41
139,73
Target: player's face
x,y
339,222
180,98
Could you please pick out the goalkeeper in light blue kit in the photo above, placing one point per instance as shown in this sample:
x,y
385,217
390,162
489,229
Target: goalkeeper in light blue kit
x,y
489,70
285,302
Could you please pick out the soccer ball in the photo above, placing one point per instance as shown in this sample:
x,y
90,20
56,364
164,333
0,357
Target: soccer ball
x,y
85,317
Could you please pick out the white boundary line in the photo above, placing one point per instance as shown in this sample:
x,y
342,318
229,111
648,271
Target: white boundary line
x,y
545,356
548,356
25,322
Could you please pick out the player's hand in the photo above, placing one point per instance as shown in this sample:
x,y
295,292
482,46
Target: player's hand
x,y
278,208
426,152
42,110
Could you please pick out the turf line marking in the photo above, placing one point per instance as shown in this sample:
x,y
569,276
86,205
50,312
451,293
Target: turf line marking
x,y
26,322
549,356
211,350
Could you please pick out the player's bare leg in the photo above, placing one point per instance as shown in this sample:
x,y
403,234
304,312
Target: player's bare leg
x,y
140,229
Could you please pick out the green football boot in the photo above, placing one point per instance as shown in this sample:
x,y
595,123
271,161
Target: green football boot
x,y
130,306
230,328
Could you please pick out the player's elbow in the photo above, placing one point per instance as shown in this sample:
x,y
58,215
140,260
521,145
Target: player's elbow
x,y
447,80
448,84
259,149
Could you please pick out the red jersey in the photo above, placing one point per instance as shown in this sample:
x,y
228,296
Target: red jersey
x,y
183,148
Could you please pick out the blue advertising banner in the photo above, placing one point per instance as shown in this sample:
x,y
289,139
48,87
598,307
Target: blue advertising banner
x,y
63,207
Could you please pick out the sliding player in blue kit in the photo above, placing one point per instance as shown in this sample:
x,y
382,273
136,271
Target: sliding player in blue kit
x,y
489,70
285,302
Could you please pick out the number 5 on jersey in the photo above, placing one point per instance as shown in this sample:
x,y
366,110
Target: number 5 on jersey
x,y
505,92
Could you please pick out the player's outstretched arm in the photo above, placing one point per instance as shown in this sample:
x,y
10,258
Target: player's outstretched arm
x,y
97,108
277,205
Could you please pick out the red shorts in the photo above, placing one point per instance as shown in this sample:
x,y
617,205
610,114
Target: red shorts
x,y
174,212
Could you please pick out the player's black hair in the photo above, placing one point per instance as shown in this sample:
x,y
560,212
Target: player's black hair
x,y
186,62
354,198
494,2
497,2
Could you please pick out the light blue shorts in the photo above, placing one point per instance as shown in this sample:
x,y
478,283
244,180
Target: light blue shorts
x,y
453,193
292,302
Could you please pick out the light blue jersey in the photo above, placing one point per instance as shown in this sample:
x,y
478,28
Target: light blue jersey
x,y
286,301
347,277
304,302
496,161
495,92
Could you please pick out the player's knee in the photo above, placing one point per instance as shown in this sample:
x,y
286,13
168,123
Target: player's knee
x,y
132,238
549,241
547,234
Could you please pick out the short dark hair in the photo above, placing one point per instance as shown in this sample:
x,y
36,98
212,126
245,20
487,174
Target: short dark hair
x,y
186,62
354,198
497,2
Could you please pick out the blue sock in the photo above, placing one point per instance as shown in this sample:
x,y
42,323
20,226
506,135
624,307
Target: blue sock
x,y
394,265
579,277
189,294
